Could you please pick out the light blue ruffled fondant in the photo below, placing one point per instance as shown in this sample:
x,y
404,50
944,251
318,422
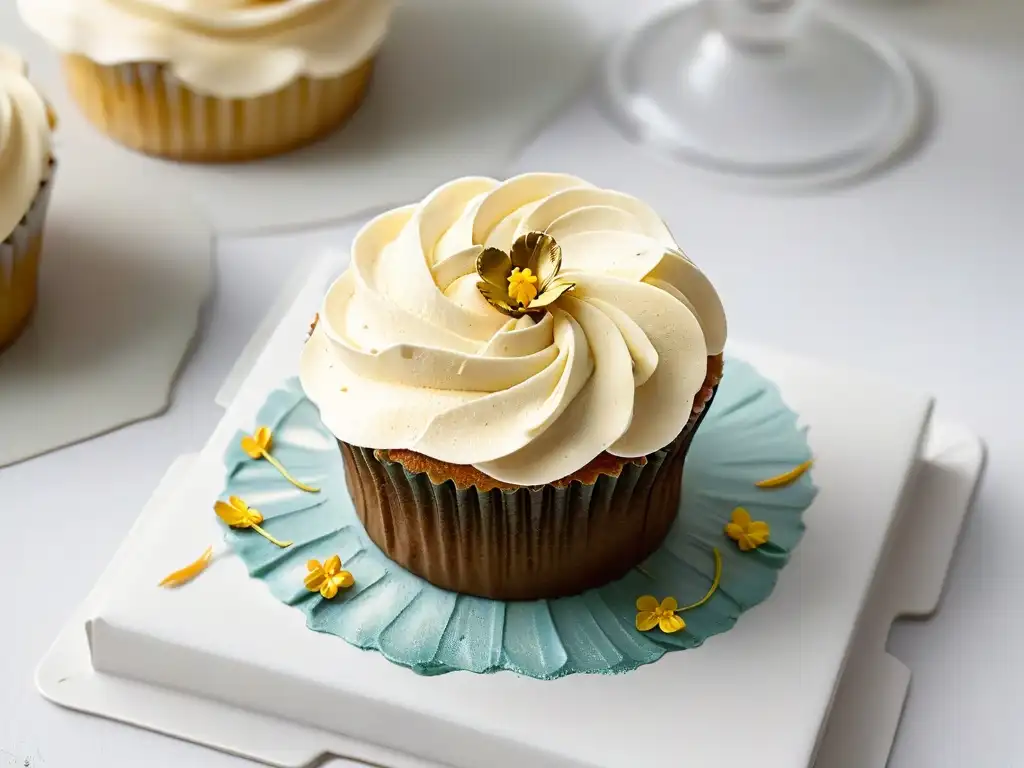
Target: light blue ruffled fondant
x,y
748,435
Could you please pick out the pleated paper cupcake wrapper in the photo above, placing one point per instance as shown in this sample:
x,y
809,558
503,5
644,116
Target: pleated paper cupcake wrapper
x,y
521,544
19,265
749,435
145,107
25,237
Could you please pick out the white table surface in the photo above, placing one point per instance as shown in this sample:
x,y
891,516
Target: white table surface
x,y
916,273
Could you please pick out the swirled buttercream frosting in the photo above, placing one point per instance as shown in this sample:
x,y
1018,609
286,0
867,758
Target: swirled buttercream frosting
x,y
222,48
25,141
409,353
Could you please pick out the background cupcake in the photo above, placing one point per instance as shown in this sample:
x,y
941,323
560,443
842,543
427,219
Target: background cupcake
x,y
214,80
514,372
26,164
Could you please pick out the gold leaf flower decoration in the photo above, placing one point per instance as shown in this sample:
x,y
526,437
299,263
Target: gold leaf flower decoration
x,y
747,533
651,614
237,514
524,281
257,446
328,578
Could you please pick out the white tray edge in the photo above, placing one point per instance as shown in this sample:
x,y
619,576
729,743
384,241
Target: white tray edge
x,y
860,731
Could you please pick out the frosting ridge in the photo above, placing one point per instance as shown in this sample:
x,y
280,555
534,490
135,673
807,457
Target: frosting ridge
x,y
25,141
224,48
408,353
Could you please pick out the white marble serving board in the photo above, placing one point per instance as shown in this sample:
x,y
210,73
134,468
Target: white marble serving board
x,y
186,640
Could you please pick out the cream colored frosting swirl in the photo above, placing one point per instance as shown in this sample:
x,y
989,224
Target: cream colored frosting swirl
x,y
224,48
25,141
408,354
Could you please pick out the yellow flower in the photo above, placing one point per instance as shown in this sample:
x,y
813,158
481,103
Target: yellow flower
x,y
257,446
522,286
328,578
237,514
749,534
651,614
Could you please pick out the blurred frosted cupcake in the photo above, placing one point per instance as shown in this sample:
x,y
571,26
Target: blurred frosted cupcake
x,y
26,164
514,372
214,80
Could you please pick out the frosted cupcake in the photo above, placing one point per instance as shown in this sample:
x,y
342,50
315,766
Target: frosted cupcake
x,y
26,164
214,80
514,372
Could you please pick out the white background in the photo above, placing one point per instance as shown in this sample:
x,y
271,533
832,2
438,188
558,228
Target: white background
x,y
916,273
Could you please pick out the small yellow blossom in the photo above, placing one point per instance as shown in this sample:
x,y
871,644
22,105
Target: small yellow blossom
x,y
257,446
328,578
651,614
237,514
522,286
749,534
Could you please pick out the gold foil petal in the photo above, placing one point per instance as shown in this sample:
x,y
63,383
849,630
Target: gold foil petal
x,y
551,294
539,253
549,261
499,299
494,266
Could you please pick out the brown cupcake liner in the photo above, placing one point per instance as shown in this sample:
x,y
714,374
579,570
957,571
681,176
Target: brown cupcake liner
x,y
520,543
19,266
144,107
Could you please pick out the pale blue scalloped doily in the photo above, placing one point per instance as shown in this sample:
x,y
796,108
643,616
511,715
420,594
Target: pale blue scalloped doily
x,y
748,435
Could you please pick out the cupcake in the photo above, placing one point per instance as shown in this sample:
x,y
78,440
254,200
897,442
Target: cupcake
x,y
26,165
214,80
514,373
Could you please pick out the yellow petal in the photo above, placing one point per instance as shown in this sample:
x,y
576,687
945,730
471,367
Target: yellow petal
x,y
237,513
758,528
733,531
313,565
647,603
343,579
315,581
332,565
745,543
669,604
740,516
329,590
229,513
251,447
263,438
646,621
670,624
190,571
786,478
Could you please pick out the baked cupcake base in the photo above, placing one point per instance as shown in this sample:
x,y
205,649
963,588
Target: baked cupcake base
x,y
468,533
143,107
